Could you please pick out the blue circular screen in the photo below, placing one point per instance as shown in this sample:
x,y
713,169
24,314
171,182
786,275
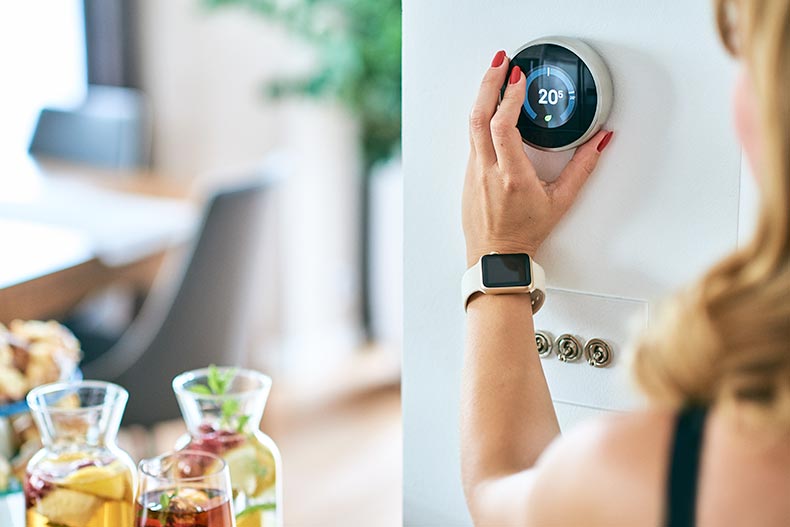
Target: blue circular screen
x,y
551,96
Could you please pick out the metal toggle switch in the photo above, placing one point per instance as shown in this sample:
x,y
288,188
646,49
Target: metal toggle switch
x,y
544,343
597,352
568,347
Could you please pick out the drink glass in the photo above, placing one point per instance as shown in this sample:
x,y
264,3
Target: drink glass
x,y
186,488
80,478
222,408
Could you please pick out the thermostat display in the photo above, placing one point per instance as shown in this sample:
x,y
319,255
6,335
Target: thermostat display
x,y
569,93
551,96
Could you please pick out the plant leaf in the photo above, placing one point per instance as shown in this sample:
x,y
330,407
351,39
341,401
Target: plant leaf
x,y
200,388
219,381
242,422
225,380
213,380
359,44
230,408
164,501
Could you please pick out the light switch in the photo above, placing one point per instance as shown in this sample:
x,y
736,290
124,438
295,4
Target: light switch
x,y
586,316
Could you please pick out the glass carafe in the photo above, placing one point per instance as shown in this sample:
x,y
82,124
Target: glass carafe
x,y
80,478
223,408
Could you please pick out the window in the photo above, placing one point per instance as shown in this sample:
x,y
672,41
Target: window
x,y
42,63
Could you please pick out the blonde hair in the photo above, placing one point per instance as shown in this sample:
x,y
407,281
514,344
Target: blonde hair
x,y
727,337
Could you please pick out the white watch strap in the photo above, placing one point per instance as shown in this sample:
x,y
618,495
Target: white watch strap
x,y
538,292
472,282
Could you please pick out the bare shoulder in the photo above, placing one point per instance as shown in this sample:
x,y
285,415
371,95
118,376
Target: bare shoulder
x,y
607,471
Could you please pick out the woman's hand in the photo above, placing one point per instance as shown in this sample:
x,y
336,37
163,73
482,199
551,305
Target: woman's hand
x,y
506,207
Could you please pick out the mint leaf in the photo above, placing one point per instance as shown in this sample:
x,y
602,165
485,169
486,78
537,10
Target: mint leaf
x,y
219,382
230,408
200,388
214,381
242,422
225,380
164,500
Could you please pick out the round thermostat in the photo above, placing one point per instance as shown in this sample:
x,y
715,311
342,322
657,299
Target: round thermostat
x,y
569,92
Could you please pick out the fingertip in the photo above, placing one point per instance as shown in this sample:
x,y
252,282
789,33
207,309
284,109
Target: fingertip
x,y
497,73
604,141
499,59
515,75
590,147
515,88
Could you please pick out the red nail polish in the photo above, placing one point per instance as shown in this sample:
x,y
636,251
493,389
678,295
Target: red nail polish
x,y
515,75
499,58
605,141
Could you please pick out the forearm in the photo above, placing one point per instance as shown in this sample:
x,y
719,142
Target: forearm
x,y
507,417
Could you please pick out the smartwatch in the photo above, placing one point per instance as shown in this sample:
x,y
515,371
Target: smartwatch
x,y
505,274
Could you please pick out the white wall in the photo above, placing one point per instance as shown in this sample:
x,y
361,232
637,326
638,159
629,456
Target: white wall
x,y
663,205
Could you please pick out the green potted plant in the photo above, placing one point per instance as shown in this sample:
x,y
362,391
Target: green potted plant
x,y
358,43
359,63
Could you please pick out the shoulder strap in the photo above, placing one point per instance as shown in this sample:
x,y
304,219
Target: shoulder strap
x,y
684,468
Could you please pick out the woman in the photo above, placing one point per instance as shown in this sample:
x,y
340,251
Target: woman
x,y
714,447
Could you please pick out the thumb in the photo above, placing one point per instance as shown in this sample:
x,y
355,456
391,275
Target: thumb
x,y
579,168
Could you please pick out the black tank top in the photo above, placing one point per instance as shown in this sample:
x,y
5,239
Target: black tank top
x,y
681,499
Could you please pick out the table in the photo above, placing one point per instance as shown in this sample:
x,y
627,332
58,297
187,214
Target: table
x,y
67,231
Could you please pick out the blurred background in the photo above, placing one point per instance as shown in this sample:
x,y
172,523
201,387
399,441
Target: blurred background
x,y
199,182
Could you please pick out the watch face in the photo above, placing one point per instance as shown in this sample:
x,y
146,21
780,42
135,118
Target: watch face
x,y
561,100
506,270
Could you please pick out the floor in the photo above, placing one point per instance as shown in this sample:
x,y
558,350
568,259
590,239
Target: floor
x,y
341,454
343,468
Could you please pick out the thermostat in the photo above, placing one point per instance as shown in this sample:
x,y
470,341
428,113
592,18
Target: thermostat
x,y
569,92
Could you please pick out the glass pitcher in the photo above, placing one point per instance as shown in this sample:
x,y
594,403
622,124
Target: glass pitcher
x,y
223,408
80,478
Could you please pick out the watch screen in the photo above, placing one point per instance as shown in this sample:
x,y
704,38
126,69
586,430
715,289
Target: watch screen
x,y
506,270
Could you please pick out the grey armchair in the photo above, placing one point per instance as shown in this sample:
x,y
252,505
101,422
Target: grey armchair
x,y
198,321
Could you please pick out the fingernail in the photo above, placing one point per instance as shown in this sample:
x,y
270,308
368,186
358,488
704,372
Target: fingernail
x,y
499,58
515,75
605,141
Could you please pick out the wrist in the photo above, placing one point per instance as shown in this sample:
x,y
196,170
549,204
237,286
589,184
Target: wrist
x,y
505,274
483,301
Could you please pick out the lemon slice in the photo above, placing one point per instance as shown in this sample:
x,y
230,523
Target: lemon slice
x,y
109,482
265,470
68,507
251,469
196,496
252,519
